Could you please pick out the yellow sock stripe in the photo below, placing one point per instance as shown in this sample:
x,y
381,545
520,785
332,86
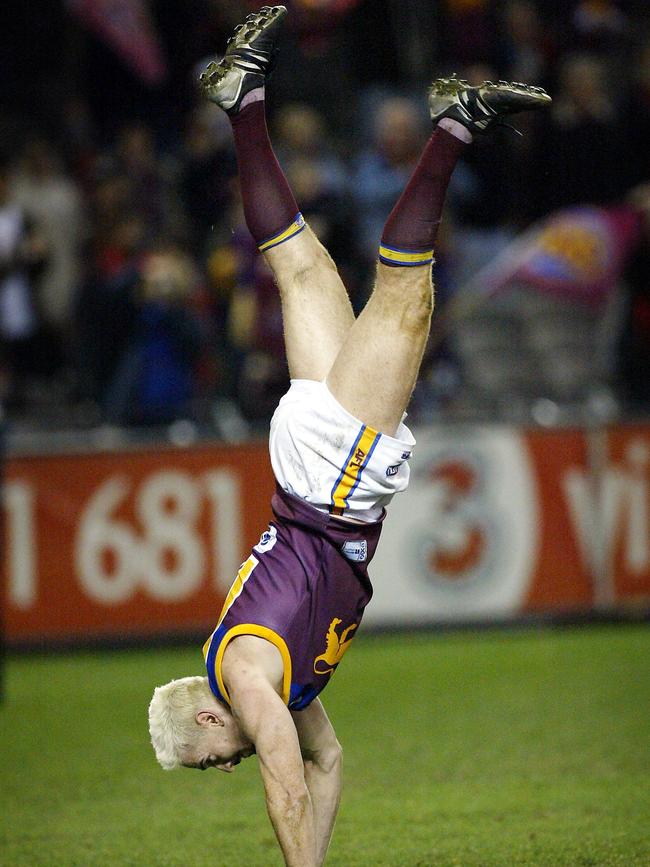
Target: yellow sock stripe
x,y
404,257
297,226
262,632
352,469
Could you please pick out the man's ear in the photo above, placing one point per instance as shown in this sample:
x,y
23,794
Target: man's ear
x,y
209,717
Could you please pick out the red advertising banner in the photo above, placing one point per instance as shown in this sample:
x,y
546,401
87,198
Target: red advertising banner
x,y
561,576
136,543
497,523
624,503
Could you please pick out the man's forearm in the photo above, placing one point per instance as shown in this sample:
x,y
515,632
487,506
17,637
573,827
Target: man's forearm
x,y
292,817
325,789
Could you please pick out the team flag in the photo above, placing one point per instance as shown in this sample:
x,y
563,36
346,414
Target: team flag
x,y
127,27
578,254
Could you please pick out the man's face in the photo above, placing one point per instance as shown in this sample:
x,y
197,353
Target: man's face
x,y
220,744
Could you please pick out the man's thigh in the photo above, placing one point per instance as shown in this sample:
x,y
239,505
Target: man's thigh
x,y
316,309
376,369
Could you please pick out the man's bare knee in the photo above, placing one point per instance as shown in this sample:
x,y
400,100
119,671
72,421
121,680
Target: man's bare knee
x,y
413,314
319,261
405,297
303,279
303,265
320,253
416,313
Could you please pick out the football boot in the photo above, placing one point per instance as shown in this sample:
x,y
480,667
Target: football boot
x,y
479,108
249,58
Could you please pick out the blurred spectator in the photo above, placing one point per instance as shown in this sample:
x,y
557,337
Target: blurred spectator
x,y
525,46
149,191
581,153
317,177
317,51
105,314
54,201
156,378
78,134
483,197
600,25
634,345
300,132
22,255
469,32
638,116
382,170
111,213
250,344
337,55
208,164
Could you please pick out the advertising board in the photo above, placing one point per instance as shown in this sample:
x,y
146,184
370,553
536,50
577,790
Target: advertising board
x,y
497,523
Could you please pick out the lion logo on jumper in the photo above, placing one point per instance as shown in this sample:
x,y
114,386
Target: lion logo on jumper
x,y
336,647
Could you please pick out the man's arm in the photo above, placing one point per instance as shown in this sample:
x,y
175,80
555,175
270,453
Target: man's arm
x,y
250,669
322,756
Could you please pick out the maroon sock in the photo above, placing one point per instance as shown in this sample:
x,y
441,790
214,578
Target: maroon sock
x,y
411,228
271,212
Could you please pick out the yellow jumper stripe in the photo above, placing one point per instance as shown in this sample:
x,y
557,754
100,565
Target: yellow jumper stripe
x,y
356,462
262,632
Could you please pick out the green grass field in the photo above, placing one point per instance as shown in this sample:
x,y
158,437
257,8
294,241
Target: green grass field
x,y
501,748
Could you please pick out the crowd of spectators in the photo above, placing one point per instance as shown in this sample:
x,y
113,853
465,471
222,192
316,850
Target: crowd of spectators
x,y
130,290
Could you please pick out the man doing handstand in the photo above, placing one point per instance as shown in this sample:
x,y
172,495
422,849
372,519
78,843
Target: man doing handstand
x,y
339,451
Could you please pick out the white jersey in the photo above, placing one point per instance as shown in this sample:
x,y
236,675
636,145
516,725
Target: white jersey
x,y
324,455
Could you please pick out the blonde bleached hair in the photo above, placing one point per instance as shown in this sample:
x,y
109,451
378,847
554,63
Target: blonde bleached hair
x,y
172,718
